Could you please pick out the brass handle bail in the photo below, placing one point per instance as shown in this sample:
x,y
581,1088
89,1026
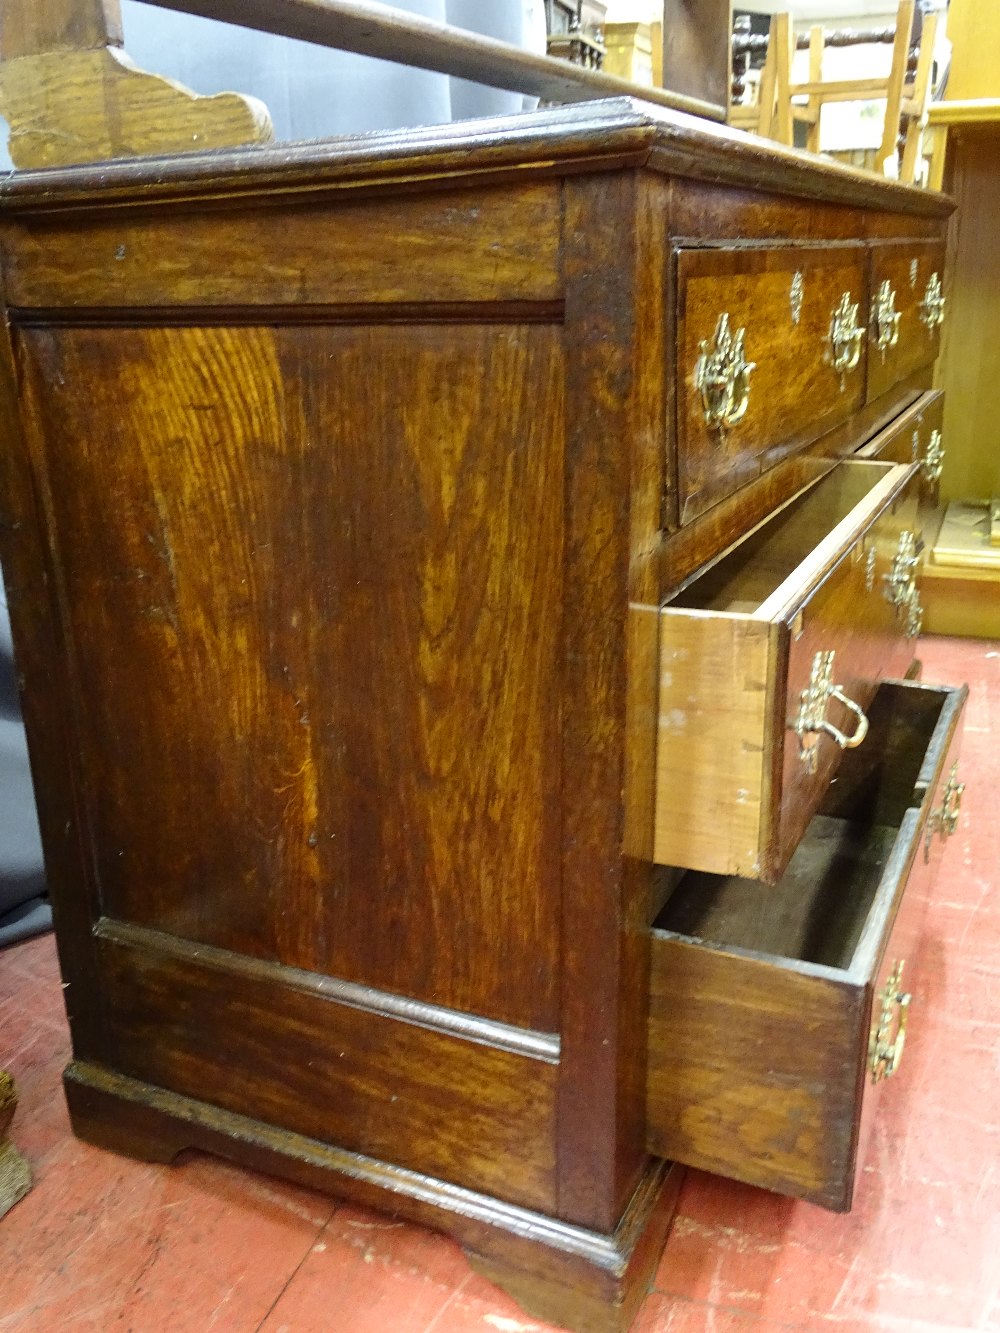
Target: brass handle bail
x,y
932,463
811,721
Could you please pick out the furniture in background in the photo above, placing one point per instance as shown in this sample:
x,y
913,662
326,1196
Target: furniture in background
x,y
963,567
448,569
906,89
963,570
70,94
576,31
630,52
103,92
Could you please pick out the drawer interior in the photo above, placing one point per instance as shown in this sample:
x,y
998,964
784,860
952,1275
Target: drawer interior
x,y
819,910
743,580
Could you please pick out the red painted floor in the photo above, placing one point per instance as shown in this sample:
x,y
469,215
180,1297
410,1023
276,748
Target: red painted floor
x,y
102,1243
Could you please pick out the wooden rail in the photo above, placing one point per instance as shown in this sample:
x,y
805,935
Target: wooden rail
x,y
70,93
387,33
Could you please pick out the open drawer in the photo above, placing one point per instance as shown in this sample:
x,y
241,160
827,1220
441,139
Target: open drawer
x,y
768,659
777,1013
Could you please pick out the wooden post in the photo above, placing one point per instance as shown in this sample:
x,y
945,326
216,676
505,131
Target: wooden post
x,y
916,108
765,123
897,79
783,36
815,104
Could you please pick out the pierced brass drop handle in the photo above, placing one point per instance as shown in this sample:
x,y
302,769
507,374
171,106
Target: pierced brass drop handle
x,y
722,376
901,583
886,318
846,335
944,819
932,306
812,721
932,463
899,580
886,1054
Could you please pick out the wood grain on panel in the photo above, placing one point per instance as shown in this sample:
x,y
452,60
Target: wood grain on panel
x,y
795,392
761,1008
752,1067
494,244
743,215
312,588
868,635
697,57
908,936
463,1111
734,795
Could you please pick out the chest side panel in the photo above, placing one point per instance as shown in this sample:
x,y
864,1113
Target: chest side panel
x,y
310,581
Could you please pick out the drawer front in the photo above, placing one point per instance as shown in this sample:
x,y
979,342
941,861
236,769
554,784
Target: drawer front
x,y
905,313
916,437
740,766
766,1024
778,306
909,438
861,624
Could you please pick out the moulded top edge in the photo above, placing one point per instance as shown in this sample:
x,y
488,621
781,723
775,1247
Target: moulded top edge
x,y
596,135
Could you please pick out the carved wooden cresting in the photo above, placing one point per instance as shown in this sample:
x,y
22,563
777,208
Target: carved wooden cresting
x,y
70,93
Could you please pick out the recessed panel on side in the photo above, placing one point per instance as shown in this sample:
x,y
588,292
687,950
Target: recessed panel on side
x,y
310,583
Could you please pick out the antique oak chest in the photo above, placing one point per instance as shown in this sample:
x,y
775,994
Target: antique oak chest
x,y
455,578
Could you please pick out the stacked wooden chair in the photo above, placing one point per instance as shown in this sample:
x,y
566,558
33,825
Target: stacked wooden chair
x,y
781,102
